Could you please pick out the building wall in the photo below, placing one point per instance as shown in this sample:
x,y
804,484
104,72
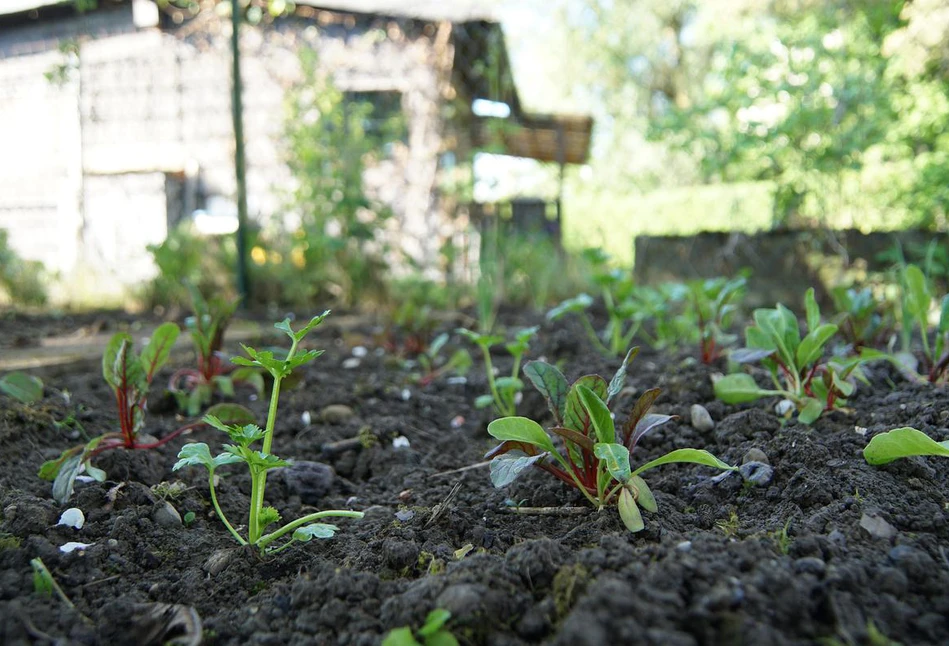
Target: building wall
x,y
86,159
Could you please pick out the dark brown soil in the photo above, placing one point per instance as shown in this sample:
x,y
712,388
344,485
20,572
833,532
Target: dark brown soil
x,y
724,562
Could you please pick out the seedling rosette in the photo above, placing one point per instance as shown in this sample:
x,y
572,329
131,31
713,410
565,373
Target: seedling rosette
x,y
504,391
916,302
595,455
796,364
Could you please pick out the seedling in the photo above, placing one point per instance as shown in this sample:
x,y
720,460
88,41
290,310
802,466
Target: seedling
x,y
617,290
432,632
44,584
22,387
797,368
863,321
259,462
596,455
714,301
433,367
129,375
916,301
504,390
194,388
903,442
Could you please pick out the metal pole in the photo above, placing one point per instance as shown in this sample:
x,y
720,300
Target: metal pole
x,y
237,113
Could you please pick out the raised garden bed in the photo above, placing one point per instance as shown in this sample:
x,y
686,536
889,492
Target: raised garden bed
x,y
830,549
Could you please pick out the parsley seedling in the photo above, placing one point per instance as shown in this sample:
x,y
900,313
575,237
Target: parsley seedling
x,y
260,461
504,390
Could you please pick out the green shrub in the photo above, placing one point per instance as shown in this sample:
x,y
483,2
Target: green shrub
x,y
23,281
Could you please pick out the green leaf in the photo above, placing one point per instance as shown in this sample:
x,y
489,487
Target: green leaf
x,y
316,320
551,383
917,298
578,303
693,456
616,458
812,310
434,622
483,340
575,414
483,401
812,347
284,326
619,378
159,348
22,387
902,442
509,383
268,516
506,467
198,454
226,413
521,429
66,478
599,415
316,530
811,411
95,473
629,511
400,637
110,356
740,388
643,494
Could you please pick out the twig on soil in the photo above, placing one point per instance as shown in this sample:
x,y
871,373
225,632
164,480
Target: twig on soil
x,y
98,581
439,510
333,448
548,511
461,469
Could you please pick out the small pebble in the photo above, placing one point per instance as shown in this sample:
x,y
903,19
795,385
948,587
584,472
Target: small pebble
x,y
457,421
351,362
701,420
360,351
218,561
336,414
877,527
755,455
810,565
400,442
72,517
784,407
456,381
405,515
72,546
684,546
166,515
757,473
306,418
406,394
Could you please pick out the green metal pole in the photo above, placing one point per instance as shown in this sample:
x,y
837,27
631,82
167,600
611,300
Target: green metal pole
x,y
237,113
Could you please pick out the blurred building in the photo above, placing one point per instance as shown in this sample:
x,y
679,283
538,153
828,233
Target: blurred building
x,y
116,122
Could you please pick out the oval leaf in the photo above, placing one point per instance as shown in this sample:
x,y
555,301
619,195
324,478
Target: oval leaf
x,y
902,442
616,458
693,456
599,414
22,387
740,388
520,429
644,494
507,467
550,383
629,511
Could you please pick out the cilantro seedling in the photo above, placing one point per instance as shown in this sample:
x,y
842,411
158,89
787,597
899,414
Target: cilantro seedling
x,y
617,290
916,301
194,389
596,455
796,364
432,633
260,461
714,301
504,390
903,442
433,367
22,387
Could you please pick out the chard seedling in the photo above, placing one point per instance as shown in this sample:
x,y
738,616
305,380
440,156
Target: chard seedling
x,y
432,633
596,455
129,375
194,388
617,290
903,442
796,364
504,390
916,304
862,320
714,302
24,388
433,367
260,461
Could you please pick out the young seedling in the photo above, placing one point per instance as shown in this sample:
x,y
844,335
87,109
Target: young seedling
x,y
596,455
433,367
916,302
714,301
129,375
24,388
194,388
903,442
862,320
796,364
617,290
432,632
260,461
504,390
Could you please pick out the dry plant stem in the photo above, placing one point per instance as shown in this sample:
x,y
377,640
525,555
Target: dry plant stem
x,y
548,511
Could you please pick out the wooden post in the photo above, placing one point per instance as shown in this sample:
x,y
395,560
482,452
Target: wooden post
x,y
237,113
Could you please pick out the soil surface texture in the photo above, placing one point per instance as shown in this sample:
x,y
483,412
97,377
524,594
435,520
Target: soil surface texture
x,y
824,549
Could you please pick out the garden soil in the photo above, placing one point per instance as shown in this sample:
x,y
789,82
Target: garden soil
x,y
829,551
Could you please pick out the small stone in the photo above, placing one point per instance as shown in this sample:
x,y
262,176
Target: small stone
x,y
877,527
810,565
400,442
757,473
336,414
360,351
701,420
218,561
784,408
755,455
351,363
684,546
457,421
166,515
457,381
72,546
406,394
404,515
72,517
306,418
309,480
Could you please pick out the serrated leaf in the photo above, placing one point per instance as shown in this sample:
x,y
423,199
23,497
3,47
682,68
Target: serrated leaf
x,y
599,414
902,442
616,458
740,388
198,454
520,429
551,384
316,530
22,387
692,456
268,516
629,512
507,467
